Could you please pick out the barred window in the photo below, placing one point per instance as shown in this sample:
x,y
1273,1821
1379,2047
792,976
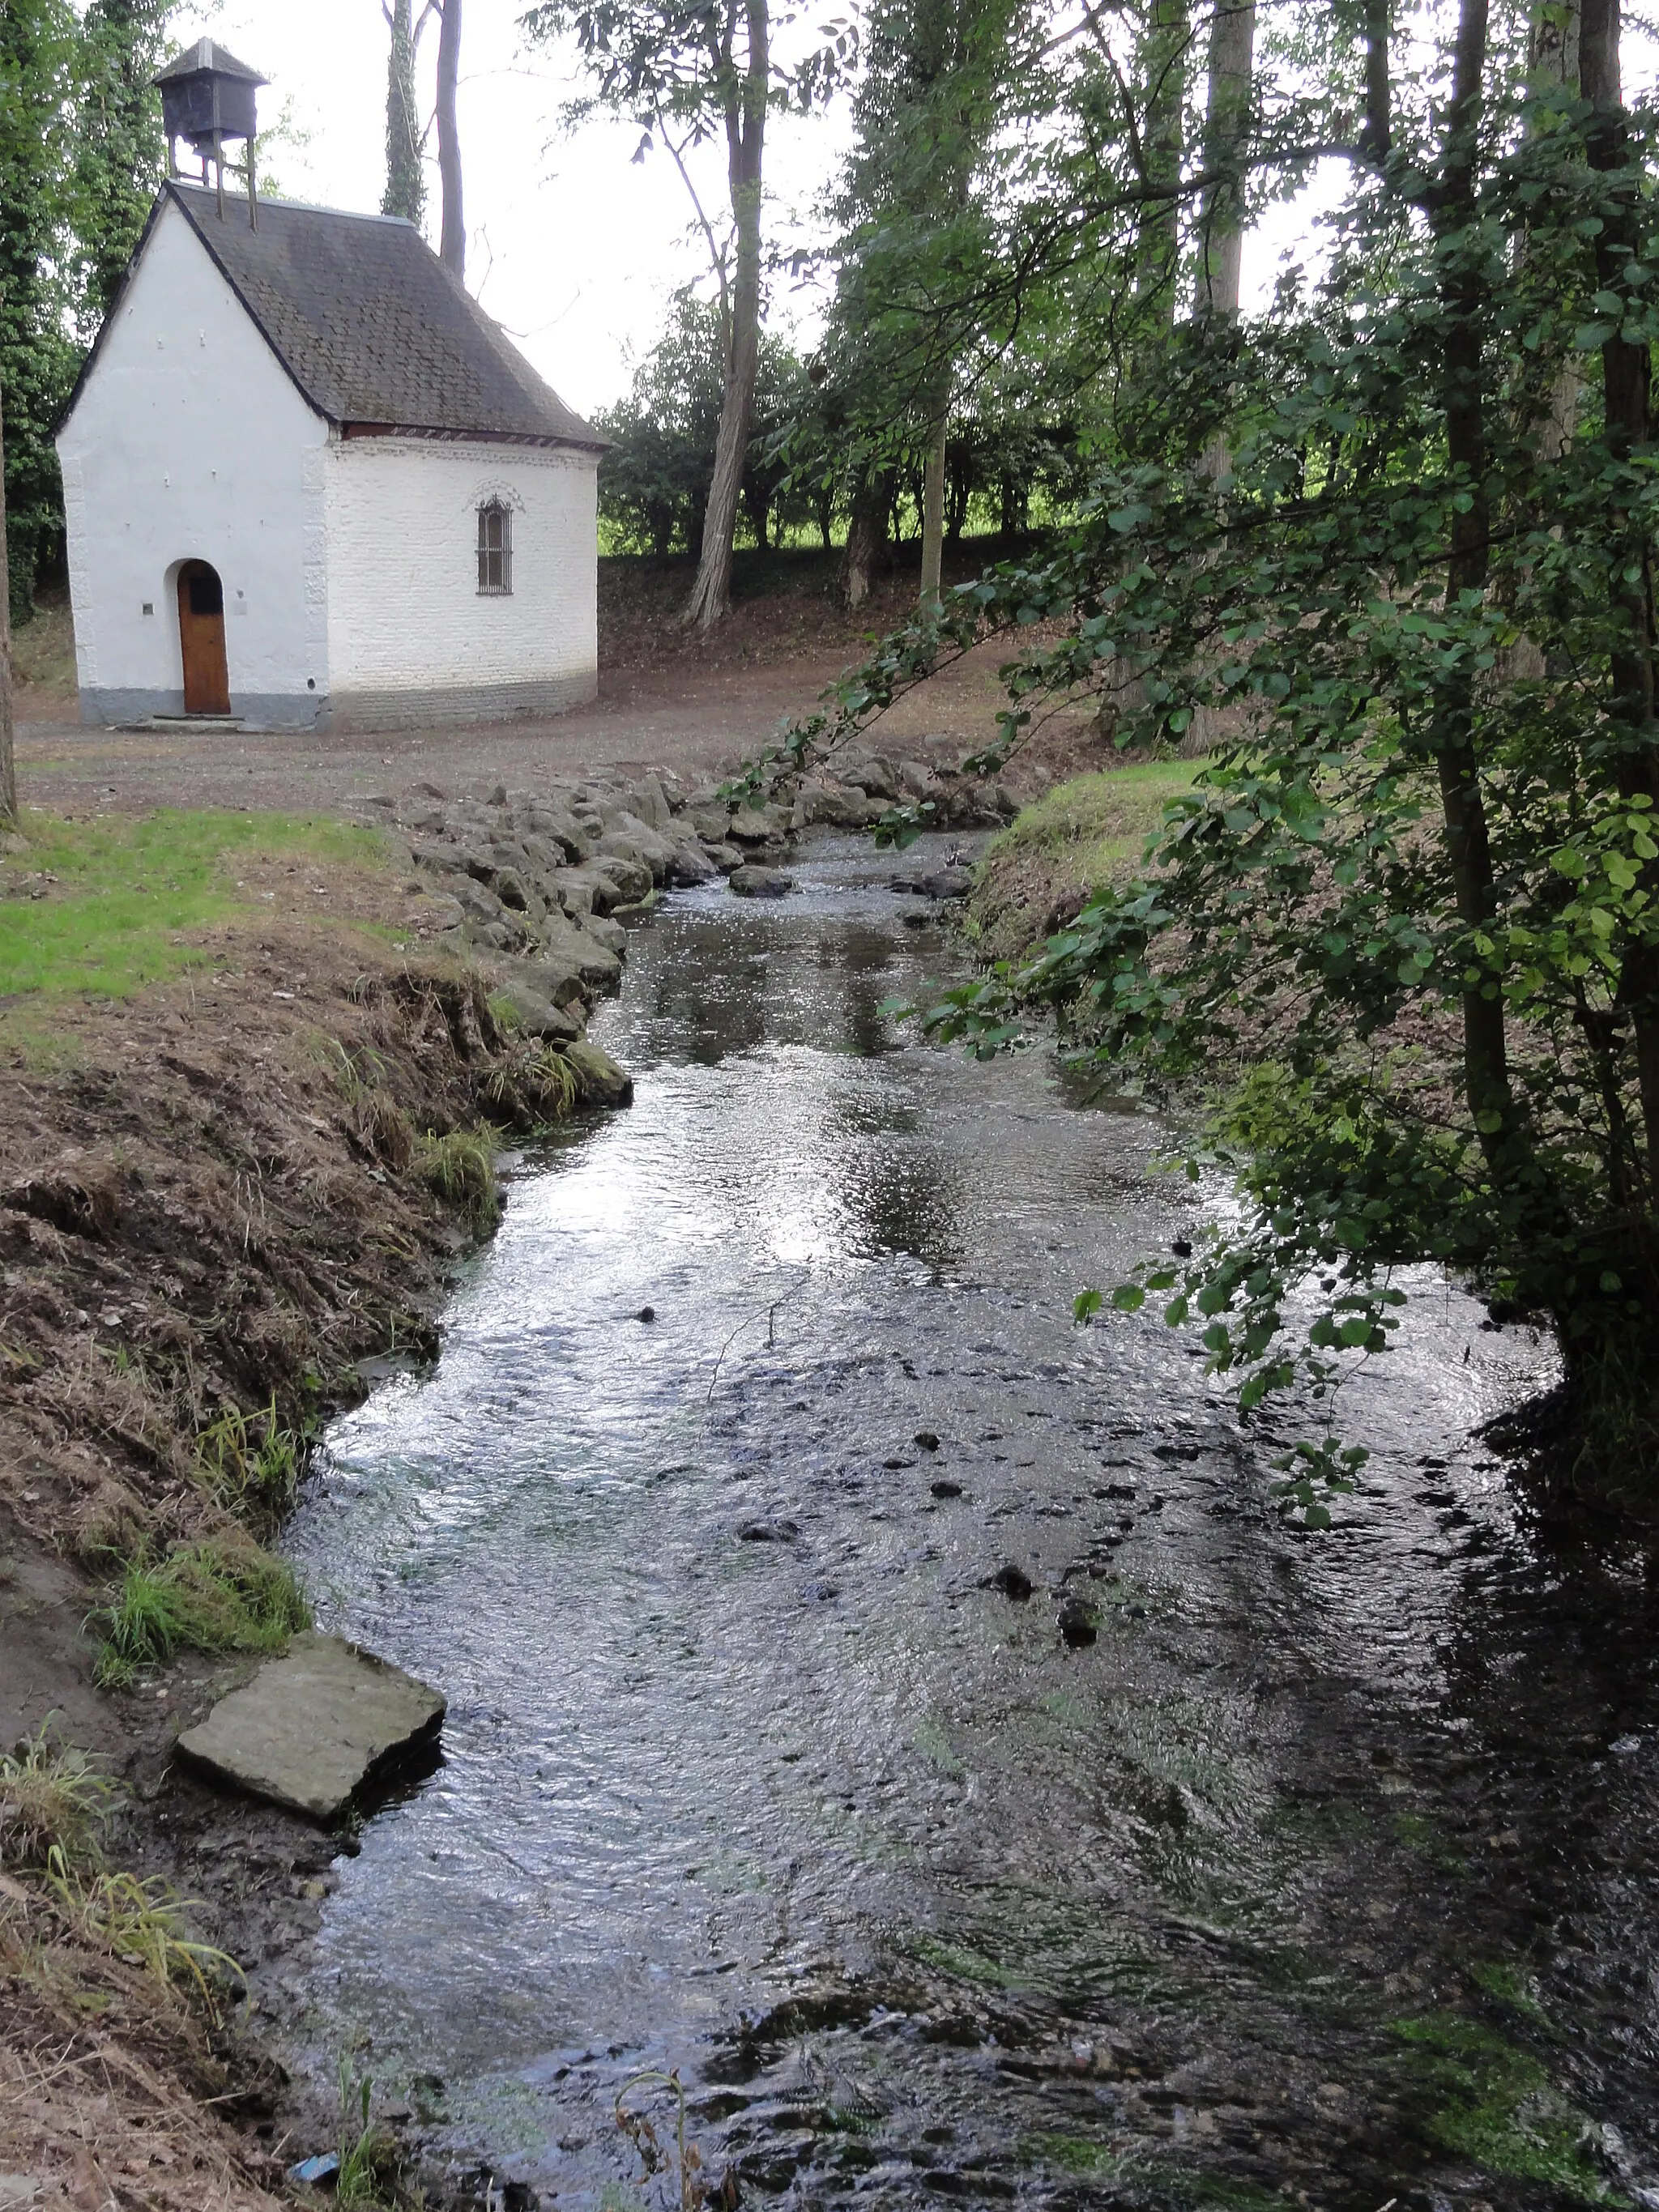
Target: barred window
x,y
495,547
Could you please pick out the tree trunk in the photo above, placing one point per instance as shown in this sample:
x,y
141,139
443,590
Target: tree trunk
x,y
405,180
10,819
1232,61
1232,57
1550,422
1486,1045
1626,400
1553,58
1377,135
932,514
866,537
745,138
451,249
1163,73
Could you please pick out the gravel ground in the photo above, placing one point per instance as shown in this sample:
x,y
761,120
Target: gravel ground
x,y
683,719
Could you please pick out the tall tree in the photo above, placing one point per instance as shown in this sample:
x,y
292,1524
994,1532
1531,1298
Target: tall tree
x,y
746,94
936,82
453,239
1158,140
689,71
1221,218
10,819
405,172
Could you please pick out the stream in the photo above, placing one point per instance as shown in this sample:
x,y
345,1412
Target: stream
x,y
1323,1876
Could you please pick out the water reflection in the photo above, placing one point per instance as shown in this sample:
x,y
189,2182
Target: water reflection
x,y
750,1773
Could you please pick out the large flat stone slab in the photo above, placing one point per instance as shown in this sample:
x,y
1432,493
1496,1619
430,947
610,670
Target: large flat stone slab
x,y
309,1728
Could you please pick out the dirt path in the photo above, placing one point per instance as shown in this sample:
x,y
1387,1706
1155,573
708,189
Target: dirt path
x,y
684,719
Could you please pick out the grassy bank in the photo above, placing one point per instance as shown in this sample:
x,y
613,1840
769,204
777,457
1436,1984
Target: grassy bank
x,y
1078,836
102,908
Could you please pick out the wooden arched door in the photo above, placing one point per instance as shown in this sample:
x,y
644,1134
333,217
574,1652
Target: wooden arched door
x,y
202,639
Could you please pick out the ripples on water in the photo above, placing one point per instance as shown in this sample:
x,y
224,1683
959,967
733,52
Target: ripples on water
x,y
1324,1875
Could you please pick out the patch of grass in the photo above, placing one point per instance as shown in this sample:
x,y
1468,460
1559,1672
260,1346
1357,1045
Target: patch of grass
x,y
556,1084
222,1596
251,1461
51,1800
144,1924
119,897
1495,2104
380,1122
1080,2155
1076,838
461,1168
1071,2153
932,1741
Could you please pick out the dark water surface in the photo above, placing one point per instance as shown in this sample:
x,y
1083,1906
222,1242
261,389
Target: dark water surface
x,y
1325,1876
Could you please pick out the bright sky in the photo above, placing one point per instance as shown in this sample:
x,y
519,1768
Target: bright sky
x,y
572,246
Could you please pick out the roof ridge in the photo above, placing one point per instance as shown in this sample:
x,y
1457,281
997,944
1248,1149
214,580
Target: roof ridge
x,y
305,207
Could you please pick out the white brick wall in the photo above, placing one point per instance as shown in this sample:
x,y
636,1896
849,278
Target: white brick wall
x,y
404,612
188,442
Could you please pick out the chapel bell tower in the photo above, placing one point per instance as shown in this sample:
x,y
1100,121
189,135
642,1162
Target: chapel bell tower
x,y
207,97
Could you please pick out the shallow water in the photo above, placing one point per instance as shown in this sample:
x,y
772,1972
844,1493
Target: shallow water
x,y
1323,1876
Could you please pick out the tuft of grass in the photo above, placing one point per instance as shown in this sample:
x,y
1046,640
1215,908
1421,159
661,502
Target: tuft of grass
x,y
964,1964
120,897
365,2175
251,1461
215,1596
143,1922
556,1083
461,1168
1511,1986
52,1801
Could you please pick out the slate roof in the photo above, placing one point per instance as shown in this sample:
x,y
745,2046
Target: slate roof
x,y
370,325
206,55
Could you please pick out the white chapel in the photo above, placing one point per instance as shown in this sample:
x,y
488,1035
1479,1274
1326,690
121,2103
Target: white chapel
x,y
309,484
